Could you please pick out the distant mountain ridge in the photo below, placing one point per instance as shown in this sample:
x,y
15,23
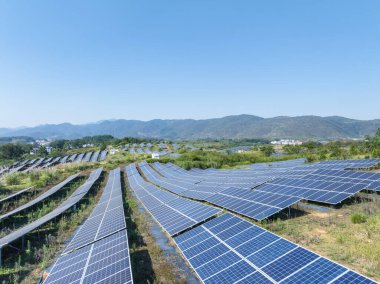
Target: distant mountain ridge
x,y
237,126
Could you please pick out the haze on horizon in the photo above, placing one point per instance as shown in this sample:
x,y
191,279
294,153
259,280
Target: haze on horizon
x,y
86,61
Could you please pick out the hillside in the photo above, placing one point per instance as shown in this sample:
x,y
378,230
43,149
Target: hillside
x,y
240,126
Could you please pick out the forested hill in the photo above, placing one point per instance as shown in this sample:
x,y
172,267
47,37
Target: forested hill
x,y
239,126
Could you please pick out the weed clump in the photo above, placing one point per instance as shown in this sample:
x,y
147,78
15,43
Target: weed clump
x,y
358,218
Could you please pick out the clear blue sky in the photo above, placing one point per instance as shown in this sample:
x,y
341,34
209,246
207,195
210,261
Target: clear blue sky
x,y
84,61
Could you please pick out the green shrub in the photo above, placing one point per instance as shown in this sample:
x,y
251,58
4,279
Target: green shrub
x,y
358,218
12,179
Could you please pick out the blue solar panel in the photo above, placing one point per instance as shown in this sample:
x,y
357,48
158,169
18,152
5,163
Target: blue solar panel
x,y
321,270
254,255
294,261
352,278
174,214
106,218
231,274
105,261
271,252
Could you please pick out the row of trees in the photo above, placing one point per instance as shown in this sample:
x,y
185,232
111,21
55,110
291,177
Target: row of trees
x,y
14,151
369,147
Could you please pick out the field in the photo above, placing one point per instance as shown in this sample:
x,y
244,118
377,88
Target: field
x,y
348,233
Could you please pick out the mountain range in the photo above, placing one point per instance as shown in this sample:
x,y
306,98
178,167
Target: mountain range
x,y
237,126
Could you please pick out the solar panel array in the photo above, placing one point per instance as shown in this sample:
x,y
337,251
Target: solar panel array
x,y
29,165
352,177
40,198
106,218
74,198
103,262
99,250
261,192
173,213
257,205
228,249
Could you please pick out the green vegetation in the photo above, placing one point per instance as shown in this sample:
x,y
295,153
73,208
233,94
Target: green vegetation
x,y
313,151
14,151
220,159
221,144
40,178
358,218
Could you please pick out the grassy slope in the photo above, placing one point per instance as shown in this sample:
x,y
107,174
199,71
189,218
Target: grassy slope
x,y
335,236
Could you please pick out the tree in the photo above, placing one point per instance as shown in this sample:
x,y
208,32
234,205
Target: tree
x,y
354,149
12,151
267,150
59,144
42,151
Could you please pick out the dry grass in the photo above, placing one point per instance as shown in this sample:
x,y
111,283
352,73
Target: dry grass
x,y
335,236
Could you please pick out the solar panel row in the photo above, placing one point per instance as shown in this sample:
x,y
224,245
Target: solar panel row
x,y
99,250
75,197
173,213
104,261
87,157
103,155
40,198
13,195
95,157
257,205
106,218
326,186
228,249
29,165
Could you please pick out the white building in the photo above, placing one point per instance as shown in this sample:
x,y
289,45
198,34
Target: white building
x,y
286,142
155,155
113,151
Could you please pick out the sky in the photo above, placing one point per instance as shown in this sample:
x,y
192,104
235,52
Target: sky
x,y
90,60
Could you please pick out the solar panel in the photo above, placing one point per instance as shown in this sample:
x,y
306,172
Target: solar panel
x,y
72,158
105,261
103,155
375,186
95,157
64,159
87,157
106,218
15,194
79,158
229,249
258,205
331,192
